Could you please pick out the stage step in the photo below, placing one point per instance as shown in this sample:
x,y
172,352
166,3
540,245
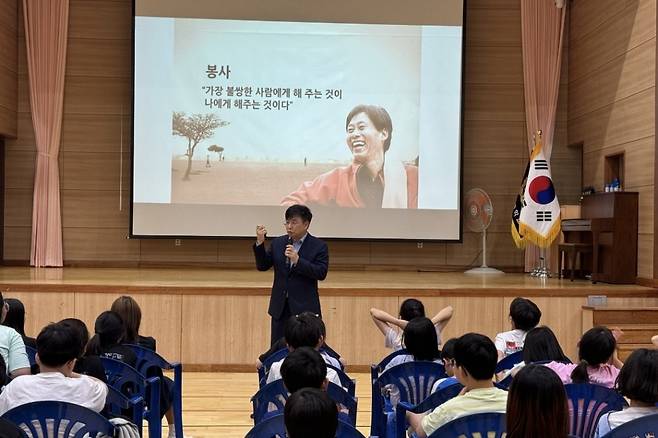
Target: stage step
x,y
615,316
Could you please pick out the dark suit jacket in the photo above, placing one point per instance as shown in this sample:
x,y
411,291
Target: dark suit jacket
x,y
299,283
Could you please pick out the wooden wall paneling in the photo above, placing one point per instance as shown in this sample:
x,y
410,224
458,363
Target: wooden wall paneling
x,y
563,315
100,19
95,209
42,308
348,254
590,15
645,255
94,170
8,67
500,140
188,252
633,26
636,172
620,78
494,103
503,27
495,176
90,95
100,244
19,169
18,207
350,329
500,251
237,251
161,317
99,57
407,254
239,325
472,314
497,65
493,5
17,241
25,138
103,131
645,207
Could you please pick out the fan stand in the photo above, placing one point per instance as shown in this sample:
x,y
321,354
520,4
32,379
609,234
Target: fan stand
x,y
484,269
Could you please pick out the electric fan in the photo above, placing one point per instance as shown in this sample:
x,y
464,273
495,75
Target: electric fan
x,y
478,212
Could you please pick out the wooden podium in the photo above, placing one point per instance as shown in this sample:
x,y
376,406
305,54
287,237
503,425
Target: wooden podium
x,y
609,222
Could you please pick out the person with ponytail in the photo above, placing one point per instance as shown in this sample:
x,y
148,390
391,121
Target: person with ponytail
x,y
107,341
598,361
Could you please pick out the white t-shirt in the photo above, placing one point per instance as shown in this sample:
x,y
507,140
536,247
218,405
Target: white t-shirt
x,y
393,338
83,391
614,419
511,341
275,373
12,349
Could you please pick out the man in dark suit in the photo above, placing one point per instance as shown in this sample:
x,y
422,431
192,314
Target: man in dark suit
x,y
300,260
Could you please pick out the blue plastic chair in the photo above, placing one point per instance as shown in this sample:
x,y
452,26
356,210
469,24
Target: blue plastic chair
x,y
587,403
271,400
147,362
382,364
414,381
31,355
435,400
488,424
130,382
274,427
640,427
274,357
73,421
116,404
345,381
507,363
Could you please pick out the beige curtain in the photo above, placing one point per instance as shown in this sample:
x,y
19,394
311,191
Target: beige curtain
x,y
542,30
46,29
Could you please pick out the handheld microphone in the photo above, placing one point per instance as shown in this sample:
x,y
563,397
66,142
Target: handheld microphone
x,y
289,243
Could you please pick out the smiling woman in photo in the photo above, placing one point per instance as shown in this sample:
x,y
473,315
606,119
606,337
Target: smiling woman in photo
x,y
370,180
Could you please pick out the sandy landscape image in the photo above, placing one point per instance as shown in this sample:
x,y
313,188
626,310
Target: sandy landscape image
x,y
240,182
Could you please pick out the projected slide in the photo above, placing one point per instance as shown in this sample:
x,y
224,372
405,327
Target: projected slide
x,y
241,118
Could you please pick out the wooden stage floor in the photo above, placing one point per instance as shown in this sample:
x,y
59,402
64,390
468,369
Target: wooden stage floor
x,y
215,281
217,404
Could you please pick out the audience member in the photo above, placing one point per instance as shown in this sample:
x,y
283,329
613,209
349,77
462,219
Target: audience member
x,y
305,330
475,363
448,358
310,412
15,319
58,347
108,339
392,328
88,365
638,382
541,346
537,404
304,368
597,353
419,339
12,347
129,311
524,315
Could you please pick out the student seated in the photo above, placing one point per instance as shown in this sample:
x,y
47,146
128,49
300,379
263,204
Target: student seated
x,y
304,368
599,364
475,363
57,350
310,412
448,358
305,330
88,365
12,347
129,311
15,319
419,339
410,308
537,405
109,333
524,315
541,345
638,382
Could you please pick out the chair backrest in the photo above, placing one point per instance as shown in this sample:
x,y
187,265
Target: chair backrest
x,y
270,398
436,399
488,424
382,364
267,364
347,403
116,404
126,379
275,427
413,380
148,359
587,403
52,419
345,380
31,355
646,426
507,363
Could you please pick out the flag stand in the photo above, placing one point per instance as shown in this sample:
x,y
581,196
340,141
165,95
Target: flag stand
x,y
542,270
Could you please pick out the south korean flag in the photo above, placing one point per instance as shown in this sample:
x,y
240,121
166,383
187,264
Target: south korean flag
x,y
540,217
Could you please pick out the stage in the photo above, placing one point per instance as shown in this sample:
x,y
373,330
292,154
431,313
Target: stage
x,y
217,319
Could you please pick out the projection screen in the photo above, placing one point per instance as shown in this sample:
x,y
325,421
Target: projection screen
x,y
244,108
